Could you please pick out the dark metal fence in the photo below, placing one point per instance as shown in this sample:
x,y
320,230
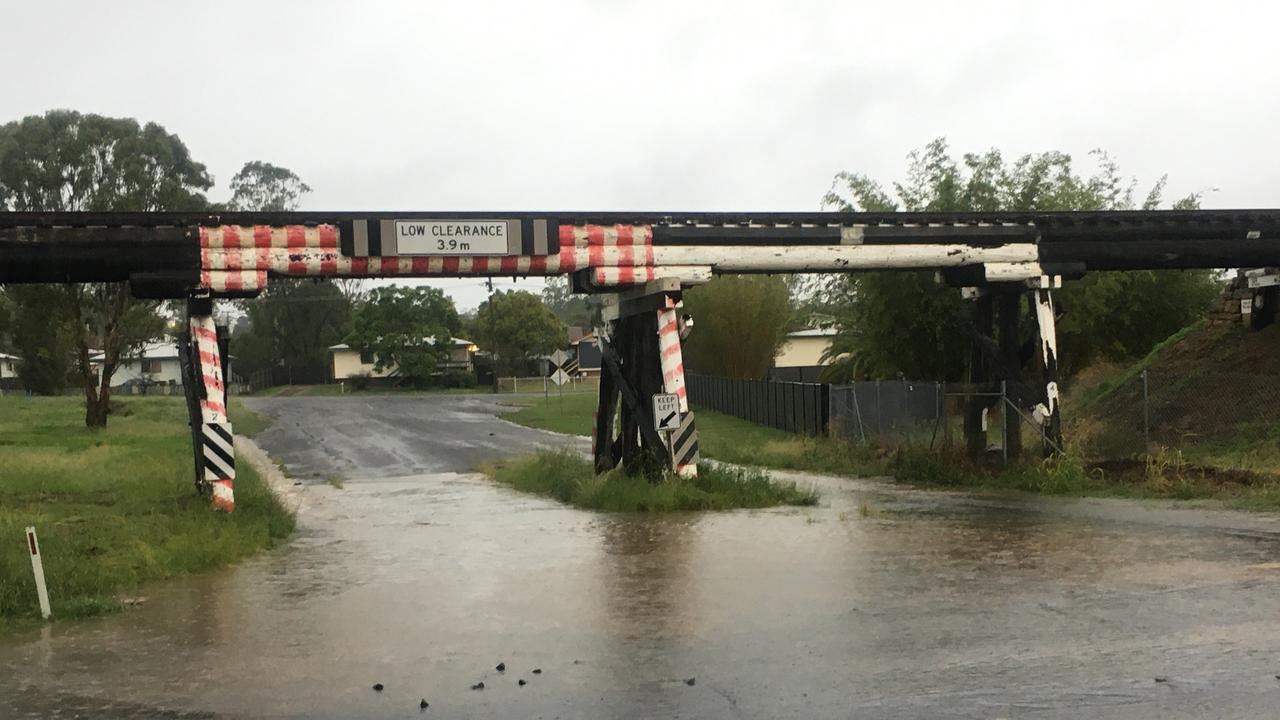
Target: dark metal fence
x,y
874,409
803,408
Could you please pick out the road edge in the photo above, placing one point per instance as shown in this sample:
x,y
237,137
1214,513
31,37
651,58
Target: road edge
x,y
293,497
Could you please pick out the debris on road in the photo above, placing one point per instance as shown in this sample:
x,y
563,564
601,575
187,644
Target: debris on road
x,y
502,667
538,671
521,683
478,686
690,681
423,704
377,687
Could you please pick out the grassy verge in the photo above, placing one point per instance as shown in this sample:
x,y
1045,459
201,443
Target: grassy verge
x,y
113,508
1164,475
245,421
720,437
568,478
1246,476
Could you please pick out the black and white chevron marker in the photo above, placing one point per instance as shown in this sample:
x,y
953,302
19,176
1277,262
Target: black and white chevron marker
x,y
219,452
684,442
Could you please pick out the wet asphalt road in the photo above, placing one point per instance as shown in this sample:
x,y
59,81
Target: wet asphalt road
x,y
881,603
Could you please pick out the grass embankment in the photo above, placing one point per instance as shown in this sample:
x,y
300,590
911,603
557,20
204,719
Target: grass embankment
x,y
115,508
720,437
1166,474
569,478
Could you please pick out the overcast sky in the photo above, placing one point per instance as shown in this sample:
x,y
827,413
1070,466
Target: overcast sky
x,y
654,105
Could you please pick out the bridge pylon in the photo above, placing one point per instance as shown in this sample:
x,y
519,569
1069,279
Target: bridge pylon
x,y
641,356
202,351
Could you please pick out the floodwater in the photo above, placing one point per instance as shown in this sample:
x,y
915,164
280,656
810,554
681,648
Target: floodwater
x,y
880,603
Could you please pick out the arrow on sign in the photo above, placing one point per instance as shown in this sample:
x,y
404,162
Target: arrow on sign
x,y
664,424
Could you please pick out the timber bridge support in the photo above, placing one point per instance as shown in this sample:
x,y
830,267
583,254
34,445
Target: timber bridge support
x,y
641,261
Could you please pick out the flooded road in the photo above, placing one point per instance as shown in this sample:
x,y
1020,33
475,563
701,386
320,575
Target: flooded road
x,y
880,603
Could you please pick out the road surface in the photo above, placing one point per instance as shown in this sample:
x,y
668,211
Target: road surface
x,y
881,603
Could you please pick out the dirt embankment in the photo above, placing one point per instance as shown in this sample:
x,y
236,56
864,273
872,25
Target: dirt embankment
x,y
1212,386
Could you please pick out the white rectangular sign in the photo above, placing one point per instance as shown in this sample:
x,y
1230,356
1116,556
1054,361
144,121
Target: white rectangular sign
x,y
452,237
666,411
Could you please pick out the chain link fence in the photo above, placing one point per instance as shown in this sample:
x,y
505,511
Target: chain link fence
x,y
883,411
898,413
1161,409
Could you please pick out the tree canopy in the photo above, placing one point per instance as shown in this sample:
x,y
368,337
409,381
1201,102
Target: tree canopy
x,y
575,310
67,161
740,322
406,328
906,324
520,328
261,186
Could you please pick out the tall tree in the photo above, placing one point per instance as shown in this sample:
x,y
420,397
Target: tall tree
x,y
740,322
905,324
575,310
67,161
263,187
294,321
407,328
290,328
520,328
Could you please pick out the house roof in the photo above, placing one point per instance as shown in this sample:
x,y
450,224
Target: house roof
x,y
455,342
7,356
150,351
813,332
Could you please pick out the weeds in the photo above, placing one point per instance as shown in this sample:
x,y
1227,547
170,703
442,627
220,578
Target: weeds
x,y
569,478
720,437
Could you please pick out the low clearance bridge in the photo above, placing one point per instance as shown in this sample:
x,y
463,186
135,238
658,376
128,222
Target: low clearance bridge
x,y
641,261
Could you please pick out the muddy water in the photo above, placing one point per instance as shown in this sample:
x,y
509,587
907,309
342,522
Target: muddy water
x,y
880,603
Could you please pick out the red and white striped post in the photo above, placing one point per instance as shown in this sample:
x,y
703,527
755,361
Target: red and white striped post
x,y
217,449
684,441
37,568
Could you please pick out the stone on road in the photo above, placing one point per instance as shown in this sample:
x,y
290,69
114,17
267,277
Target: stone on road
x,y
419,573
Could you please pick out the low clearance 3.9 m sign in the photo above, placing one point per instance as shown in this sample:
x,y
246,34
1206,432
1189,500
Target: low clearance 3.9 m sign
x,y
452,237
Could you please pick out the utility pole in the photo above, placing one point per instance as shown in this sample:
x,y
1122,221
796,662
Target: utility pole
x,y
493,337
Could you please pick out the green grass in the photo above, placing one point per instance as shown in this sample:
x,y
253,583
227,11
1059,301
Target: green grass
x,y
1131,373
113,508
720,437
569,478
731,440
245,421
1163,475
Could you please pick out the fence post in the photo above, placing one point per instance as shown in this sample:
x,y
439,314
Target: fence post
x,y
1004,421
879,412
1146,414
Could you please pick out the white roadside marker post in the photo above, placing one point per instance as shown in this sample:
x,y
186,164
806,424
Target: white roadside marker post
x,y
37,568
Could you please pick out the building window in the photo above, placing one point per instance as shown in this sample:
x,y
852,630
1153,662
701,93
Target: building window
x,y
366,358
152,367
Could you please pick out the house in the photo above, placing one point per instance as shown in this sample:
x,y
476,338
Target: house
x,y
346,362
586,351
800,359
9,372
155,363
8,366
